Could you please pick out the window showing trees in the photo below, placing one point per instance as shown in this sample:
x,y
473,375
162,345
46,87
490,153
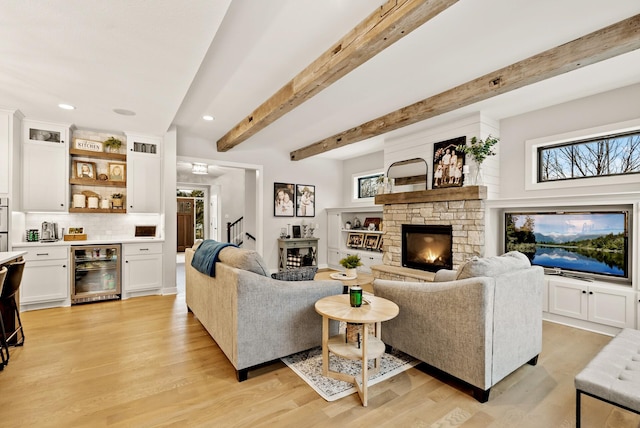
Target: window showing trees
x,y
605,156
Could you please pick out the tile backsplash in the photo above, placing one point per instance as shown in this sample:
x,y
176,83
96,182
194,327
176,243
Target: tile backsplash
x,y
96,226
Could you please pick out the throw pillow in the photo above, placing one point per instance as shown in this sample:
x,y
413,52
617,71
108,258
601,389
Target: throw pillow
x,y
493,266
306,273
243,259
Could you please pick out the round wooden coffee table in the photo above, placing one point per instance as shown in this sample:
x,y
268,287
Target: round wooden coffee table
x,y
364,280
374,311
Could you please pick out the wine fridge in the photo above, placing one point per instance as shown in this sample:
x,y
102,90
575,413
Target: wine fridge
x,y
96,274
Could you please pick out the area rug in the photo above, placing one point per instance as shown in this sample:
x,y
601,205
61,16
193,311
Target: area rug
x,y
308,365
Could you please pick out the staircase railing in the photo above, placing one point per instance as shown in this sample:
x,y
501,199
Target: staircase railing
x,y
235,231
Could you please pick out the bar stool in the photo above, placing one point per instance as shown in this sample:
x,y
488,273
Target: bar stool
x,y
8,303
4,348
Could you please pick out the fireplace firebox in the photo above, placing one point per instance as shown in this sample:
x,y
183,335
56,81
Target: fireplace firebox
x,y
427,247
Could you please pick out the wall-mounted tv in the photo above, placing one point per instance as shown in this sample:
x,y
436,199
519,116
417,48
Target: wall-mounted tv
x,y
586,244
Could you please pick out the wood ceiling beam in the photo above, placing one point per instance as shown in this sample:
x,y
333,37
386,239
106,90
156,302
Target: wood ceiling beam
x,y
600,45
391,22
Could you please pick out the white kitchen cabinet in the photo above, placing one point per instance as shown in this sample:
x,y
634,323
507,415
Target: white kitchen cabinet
x,y
45,281
144,174
142,269
45,167
9,133
596,302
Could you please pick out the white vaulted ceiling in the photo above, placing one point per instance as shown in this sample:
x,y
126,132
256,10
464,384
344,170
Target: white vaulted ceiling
x,y
174,61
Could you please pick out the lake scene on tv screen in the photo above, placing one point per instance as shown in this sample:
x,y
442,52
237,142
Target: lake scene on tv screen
x,y
583,242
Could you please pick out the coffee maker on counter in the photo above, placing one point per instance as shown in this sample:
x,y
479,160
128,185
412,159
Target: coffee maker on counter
x,y
49,232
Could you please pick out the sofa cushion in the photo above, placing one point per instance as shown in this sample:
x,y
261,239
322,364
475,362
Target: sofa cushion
x,y
243,259
493,266
301,274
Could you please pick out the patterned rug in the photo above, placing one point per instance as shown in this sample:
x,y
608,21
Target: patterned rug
x,y
308,365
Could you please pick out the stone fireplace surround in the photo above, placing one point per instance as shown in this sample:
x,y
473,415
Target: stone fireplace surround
x,y
461,207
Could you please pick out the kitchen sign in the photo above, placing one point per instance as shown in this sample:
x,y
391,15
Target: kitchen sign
x,y
92,146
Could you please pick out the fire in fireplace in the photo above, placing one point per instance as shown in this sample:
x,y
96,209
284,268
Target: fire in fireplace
x,y
427,247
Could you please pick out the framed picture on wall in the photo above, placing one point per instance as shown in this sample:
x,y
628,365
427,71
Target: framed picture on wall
x,y
448,163
84,169
306,200
368,186
284,203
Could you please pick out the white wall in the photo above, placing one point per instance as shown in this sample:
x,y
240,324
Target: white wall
x,y
325,174
356,166
615,106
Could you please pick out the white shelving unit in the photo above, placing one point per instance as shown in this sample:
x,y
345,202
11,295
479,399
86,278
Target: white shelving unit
x,y
337,236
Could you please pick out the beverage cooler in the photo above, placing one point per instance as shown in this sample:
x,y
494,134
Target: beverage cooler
x,y
96,273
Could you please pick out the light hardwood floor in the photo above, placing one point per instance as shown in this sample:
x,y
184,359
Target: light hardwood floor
x,y
146,362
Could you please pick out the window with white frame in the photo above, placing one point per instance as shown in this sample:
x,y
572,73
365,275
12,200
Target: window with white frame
x,y
365,185
615,154
602,155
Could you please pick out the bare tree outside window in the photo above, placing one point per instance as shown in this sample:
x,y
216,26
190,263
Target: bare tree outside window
x,y
611,155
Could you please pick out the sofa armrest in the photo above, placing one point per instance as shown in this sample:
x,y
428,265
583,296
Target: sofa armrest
x,y
444,275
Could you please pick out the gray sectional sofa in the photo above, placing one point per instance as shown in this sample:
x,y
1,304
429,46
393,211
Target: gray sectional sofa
x,y
478,324
254,318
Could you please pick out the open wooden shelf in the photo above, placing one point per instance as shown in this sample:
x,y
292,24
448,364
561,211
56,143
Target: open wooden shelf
x,y
98,210
122,157
97,183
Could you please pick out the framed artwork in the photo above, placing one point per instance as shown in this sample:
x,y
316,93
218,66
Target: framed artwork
x,y
380,244
355,240
117,171
371,241
283,199
84,169
375,221
305,200
448,163
368,186
295,231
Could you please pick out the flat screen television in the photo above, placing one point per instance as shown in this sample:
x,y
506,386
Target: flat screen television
x,y
583,244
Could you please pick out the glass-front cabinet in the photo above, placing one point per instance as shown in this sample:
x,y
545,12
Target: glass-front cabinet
x,y
96,274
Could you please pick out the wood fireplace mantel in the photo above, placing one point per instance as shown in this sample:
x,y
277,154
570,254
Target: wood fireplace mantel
x,y
433,195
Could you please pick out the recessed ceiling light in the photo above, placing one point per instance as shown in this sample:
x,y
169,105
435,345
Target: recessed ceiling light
x,y
199,168
66,106
207,117
124,112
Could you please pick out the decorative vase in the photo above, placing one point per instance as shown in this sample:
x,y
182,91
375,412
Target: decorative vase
x,y
478,178
351,272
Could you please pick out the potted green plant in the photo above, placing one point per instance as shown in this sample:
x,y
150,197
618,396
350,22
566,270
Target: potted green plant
x,y
350,263
117,199
112,144
479,151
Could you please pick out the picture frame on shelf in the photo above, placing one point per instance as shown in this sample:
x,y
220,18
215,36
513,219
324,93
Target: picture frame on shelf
x,y
295,231
283,199
372,220
448,163
371,241
84,169
355,240
117,171
305,200
380,242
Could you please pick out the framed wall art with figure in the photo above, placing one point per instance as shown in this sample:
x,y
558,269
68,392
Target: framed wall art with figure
x,y
283,204
84,169
448,163
305,200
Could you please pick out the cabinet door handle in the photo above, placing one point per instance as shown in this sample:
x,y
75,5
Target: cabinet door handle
x,y
590,292
42,254
144,249
64,266
127,261
584,291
